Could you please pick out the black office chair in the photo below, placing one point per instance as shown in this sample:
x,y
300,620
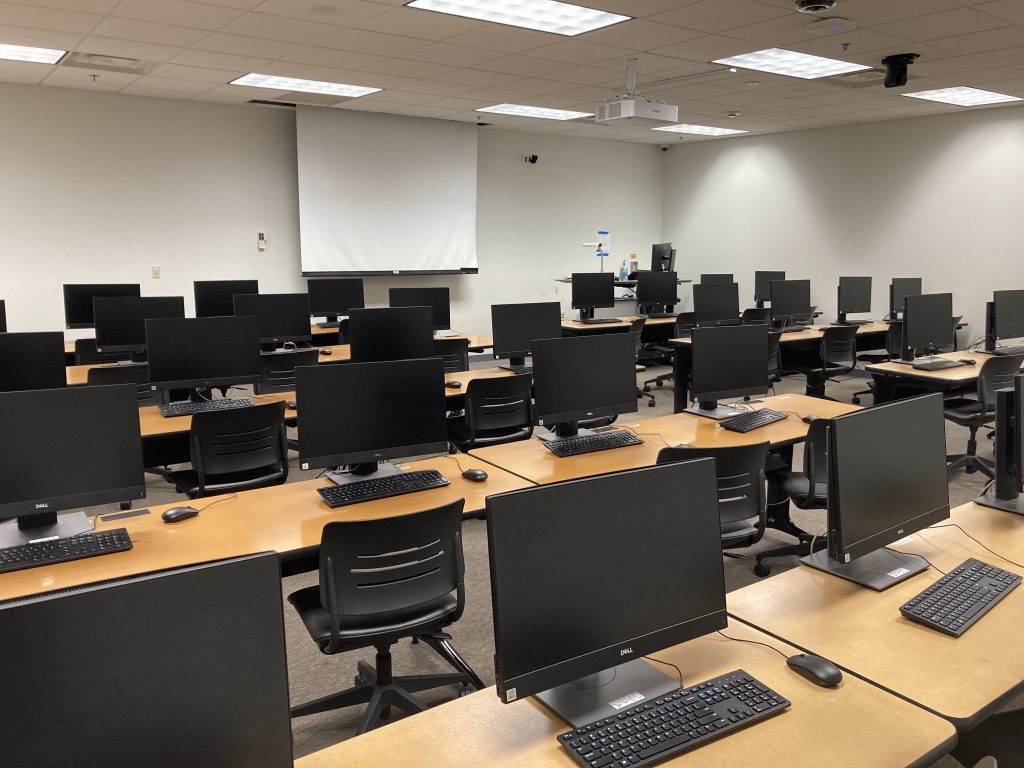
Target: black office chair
x,y
742,501
685,323
893,345
837,354
996,373
454,353
86,354
498,410
382,581
128,374
277,372
636,329
774,358
235,450
756,315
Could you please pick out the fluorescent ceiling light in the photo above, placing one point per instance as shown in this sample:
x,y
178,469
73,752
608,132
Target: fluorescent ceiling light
x,y
700,130
306,86
521,110
544,15
27,53
962,96
779,61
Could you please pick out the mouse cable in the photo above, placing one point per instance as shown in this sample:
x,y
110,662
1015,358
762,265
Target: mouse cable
x,y
668,664
457,462
232,497
965,533
755,642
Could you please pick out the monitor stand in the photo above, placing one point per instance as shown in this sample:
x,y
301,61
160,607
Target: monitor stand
x,y
367,471
842,320
565,429
600,696
712,410
878,570
513,362
49,525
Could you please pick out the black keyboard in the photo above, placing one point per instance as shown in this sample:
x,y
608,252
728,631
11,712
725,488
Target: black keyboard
x,y
754,419
653,731
600,320
574,446
1001,351
382,487
329,324
188,409
519,368
61,550
794,328
937,365
953,603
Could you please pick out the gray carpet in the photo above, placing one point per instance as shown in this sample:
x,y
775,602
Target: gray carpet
x,y
312,674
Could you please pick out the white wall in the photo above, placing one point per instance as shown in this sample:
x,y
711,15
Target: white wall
x,y
936,197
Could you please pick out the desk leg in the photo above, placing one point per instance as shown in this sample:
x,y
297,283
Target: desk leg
x,y
681,376
885,388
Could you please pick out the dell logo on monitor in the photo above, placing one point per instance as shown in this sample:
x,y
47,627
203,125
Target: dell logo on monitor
x,y
44,505
625,652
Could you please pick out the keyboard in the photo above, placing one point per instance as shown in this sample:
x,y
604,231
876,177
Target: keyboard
x,y
188,409
754,419
660,314
794,328
937,365
329,324
574,446
1001,351
953,603
600,320
382,487
61,550
519,368
653,731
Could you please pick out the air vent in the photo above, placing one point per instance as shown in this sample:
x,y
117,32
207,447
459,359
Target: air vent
x,y
102,62
860,79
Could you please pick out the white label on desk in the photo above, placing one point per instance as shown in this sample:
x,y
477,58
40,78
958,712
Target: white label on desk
x,y
898,572
904,540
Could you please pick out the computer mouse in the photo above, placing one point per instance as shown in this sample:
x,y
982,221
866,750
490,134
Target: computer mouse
x,y
816,669
326,351
475,475
291,404
968,361
453,384
177,514
810,419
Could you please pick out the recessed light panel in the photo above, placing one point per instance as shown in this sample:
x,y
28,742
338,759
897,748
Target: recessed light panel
x,y
779,61
544,15
306,86
700,130
27,53
521,110
962,96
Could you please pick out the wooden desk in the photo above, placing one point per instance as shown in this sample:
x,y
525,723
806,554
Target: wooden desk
x,y
855,724
477,342
963,679
894,380
285,519
575,327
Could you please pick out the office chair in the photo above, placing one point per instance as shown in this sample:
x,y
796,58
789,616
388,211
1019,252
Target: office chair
x,y
277,372
685,322
235,450
128,374
837,354
86,354
498,410
756,315
382,581
636,329
996,373
454,353
893,344
742,501
774,358
807,490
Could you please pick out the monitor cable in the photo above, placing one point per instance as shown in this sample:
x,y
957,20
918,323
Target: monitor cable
x,y
668,664
965,533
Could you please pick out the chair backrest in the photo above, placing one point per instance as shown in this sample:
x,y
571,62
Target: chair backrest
x,y
454,353
756,315
371,570
774,354
839,345
740,470
239,440
997,373
894,338
816,453
807,319
127,374
636,327
277,372
86,354
499,403
685,322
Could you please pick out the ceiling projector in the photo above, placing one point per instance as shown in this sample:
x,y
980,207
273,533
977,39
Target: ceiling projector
x,y
632,109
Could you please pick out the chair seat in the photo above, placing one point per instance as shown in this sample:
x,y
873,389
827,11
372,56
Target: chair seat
x,y
966,412
737,532
318,621
795,486
187,480
458,433
823,368
874,357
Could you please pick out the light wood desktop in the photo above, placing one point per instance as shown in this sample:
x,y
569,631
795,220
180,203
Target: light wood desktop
x,y
892,378
623,322
963,679
476,341
814,333
854,724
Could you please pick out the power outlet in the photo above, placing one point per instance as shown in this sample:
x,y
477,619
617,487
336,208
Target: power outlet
x,y
155,273
261,241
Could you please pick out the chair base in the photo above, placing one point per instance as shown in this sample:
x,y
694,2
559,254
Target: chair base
x,y
802,549
970,464
658,381
641,393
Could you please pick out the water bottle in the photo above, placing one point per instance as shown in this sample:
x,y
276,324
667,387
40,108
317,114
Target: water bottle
x,y
622,270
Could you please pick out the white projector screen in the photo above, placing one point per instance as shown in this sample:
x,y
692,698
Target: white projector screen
x,y
385,194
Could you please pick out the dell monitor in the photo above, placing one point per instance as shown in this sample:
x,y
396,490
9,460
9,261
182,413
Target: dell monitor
x,y
283,317
728,362
927,324
437,299
899,289
886,480
791,300
3,316
121,322
591,290
203,352
1005,491
215,298
391,333
1004,318
716,303
583,377
361,414
517,326
167,669
663,257
715,277
64,449
32,361
78,300
854,298
656,291
763,285
571,603
333,297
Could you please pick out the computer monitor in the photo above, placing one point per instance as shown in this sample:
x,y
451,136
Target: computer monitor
x,y
391,333
727,362
283,317
571,603
927,324
332,297
854,298
791,299
32,361
63,449
1004,317
763,280
168,669
656,289
121,322
886,480
716,277
3,316
717,303
215,298
203,352
517,326
361,414
438,299
899,289
583,377
591,290
663,257
1005,491
78,300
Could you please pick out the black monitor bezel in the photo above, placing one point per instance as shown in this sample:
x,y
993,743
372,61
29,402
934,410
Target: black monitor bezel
x,y
701,291
651,278
722,332
249,283
716,278
909,330
599,361
313,287
206,383
763,283
997,332
78,325
893,309
133,348
661,263
776,310
501,352
442,323
846,306
269,297
592,282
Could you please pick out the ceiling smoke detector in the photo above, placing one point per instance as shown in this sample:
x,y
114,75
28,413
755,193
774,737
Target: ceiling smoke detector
x,y
814,6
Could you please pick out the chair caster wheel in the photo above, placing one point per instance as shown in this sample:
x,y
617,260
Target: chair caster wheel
x,y
762,570
856,401
660,383
125,505
465,690
970,470
650,404
647,387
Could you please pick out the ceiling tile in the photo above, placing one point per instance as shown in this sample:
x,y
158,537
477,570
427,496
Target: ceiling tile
x,y
129,49
776,33
246,46
224,61
870,13
716,16
524,66
989,40
1011,56
85,6
177,12
73,77
24,72
949,66
168,84
268,27
157,93
979,77
197,74
361,41
41,38
589,76
476,77
536,85
579,52
636,8
344,13
405,68
148,32
1011,10
395,96
47,18
705,48
936,25
639,35
495,37
329,57
452,55
239,94
413,22
491,96
306,72
435,88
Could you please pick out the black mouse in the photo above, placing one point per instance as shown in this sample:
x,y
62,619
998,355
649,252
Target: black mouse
x,y
810,419
177,514
453,384
816,669
326,351
968,361
475,475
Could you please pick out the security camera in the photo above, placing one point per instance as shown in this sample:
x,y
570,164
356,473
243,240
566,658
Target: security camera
x,y
532,159
896,68
664,147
